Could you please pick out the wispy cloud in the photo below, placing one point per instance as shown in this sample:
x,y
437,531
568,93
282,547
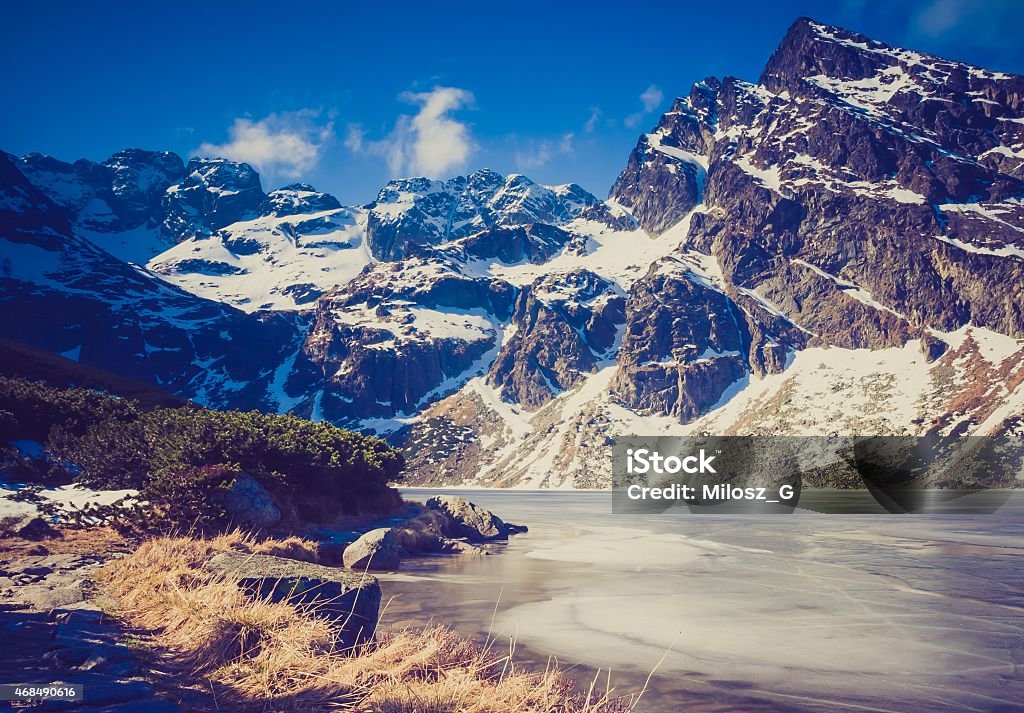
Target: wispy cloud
x,y
968,21
355,138
591,122
985,31
287,144
538,153
431,142
650,99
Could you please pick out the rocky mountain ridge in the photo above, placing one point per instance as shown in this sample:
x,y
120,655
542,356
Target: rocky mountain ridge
x,y
851,226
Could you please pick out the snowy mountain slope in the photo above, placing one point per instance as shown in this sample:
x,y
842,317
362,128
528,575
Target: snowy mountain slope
x,y
303,243
410,213
62,293
270,262
835,249
116,203
485,441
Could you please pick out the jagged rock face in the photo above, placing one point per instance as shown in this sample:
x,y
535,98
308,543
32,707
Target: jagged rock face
x,y
563,326
684,344
299,198
26,215
118,194
834,166
409,213
383,344
62,293
139,180
215,193
964,109
664,177
104,200
534,243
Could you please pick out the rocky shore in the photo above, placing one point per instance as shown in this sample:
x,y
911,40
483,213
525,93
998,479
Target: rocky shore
x,y
54,604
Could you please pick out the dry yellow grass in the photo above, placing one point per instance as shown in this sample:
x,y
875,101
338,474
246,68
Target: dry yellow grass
x,y
272,657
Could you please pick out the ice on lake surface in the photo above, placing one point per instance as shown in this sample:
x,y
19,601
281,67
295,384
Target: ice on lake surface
x,y
793,612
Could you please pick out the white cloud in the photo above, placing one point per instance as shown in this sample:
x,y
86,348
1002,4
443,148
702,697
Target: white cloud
x,y
591,123
287,144
355,138
538,153
431,142
650,99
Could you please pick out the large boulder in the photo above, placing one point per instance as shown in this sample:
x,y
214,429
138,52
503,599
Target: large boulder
x,y
248,502
465,519
350,601
376,549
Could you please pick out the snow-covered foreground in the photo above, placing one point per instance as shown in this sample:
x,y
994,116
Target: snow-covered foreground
x,y
788,612
66,498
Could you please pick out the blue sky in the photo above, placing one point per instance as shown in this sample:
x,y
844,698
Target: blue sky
x,y
346,95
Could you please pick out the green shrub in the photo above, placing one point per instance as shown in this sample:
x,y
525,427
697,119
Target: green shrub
x,y
178,458
30,409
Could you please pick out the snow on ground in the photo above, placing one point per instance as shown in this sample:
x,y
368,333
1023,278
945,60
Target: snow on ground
x,y
138,245
67,498
1004,251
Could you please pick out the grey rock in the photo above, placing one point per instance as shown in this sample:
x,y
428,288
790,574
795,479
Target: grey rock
x,y
45,597
376,549
468,520
348,600
248,502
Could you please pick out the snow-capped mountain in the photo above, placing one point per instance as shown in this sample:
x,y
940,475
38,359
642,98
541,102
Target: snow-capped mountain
x,y
846,257
115,204
838,248
63,293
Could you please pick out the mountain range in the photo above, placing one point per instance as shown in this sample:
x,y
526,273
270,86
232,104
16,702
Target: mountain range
x,y
838,248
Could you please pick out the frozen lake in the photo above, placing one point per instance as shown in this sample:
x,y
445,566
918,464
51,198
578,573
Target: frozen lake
x,y
789,612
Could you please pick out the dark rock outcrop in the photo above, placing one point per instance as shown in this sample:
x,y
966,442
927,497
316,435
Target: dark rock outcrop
x,y
685,343
214,193
564,325
350,601
465,519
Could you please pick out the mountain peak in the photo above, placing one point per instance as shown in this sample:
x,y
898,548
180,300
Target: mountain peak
x,y
812,50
